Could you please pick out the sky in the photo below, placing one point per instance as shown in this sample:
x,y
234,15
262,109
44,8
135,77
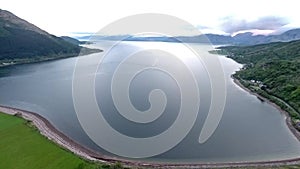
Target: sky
x,y
73,17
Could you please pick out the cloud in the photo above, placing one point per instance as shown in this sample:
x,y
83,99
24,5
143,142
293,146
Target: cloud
x,y
232,25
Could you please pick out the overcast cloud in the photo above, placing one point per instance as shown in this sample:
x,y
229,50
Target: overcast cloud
x,y
232,25
64,17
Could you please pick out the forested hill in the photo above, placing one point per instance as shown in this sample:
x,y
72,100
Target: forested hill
x,y
23,42
275,65
264,52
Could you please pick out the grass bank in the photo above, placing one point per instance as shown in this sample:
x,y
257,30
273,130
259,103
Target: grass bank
x,y
22,146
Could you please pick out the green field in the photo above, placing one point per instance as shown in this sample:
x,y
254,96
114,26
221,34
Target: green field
x,y
22,146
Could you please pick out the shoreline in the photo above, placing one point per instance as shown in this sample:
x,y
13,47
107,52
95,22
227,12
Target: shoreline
x,y
288,119
43,60
50,132
49,58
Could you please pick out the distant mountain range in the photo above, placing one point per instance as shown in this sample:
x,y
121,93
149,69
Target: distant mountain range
x,y
239,39
23,42
250,39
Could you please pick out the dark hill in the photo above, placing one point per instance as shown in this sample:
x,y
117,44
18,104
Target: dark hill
x,y
23,42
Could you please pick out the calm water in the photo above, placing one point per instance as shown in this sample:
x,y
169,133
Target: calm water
x,y
250,130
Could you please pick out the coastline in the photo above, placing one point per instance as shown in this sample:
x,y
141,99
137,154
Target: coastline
x,y
49,131
288,119
87,51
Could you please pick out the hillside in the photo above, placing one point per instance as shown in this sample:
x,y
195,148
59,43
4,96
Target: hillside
x,y
264,52
23,42
272,69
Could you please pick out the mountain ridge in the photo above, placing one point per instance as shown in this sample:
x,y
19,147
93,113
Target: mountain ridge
x,y
13,21
23,42
246,38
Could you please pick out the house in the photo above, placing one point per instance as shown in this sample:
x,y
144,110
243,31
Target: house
x,y
298,124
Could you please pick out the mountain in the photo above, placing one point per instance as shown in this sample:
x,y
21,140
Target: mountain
x,y
293,34
263,52
23,42
219,39
128,38
75,41
243,39
248,38
71,40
